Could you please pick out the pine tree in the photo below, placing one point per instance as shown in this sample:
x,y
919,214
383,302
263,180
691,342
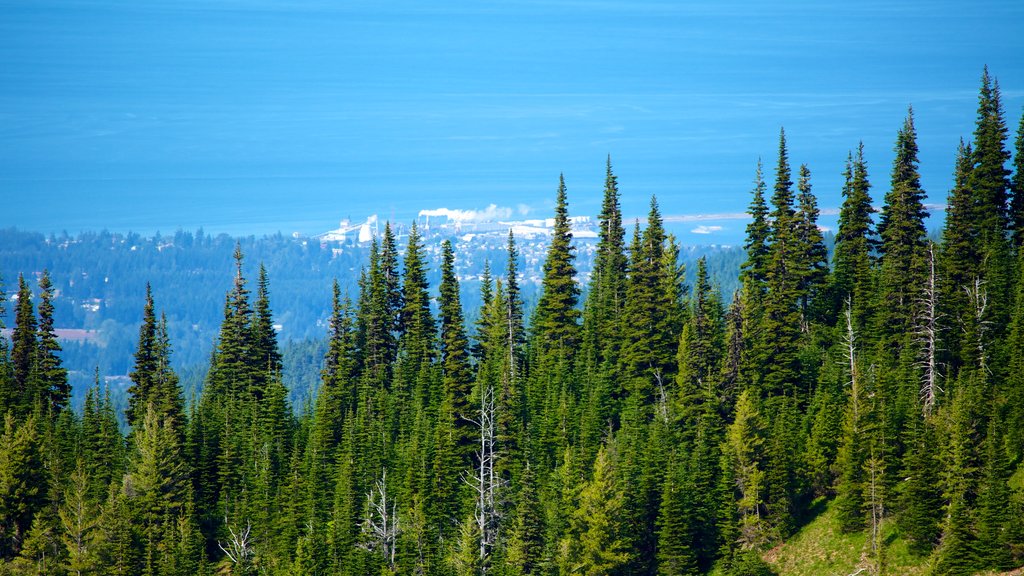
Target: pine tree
x,y
855,242
652,332
902,232
457,379
140,393
1017,189
153,379
265,355
755,269
555,318
79,524
526,541
989,180
920,501
811,256
781,315
24,347
51,378
23,481
852,453
602,318
994,500
741,462
675,522
594,544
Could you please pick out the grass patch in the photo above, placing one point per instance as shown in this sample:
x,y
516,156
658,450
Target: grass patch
x,y
821,549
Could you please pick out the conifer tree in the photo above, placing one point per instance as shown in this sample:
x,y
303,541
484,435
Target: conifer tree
x,y
457,379
526,539
146,363
920,500
812,257
675,524
79,524
594,544
902,233
265,354
741,461
51,378
1017,189
24,347
755,269
855,242
781,323
602,317
555,318
23,481
652,332
989,180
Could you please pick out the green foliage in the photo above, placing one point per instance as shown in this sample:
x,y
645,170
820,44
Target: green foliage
x,y
653,432
594,543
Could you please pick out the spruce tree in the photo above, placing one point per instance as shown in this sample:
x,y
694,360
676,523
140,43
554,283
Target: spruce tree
x,y
24,348
902,233
1017,189
555,321
594,543
781,324
51,378
457,380
855,242
811,256
265,355
755,269
24,481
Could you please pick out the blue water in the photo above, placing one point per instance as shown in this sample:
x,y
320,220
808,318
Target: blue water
x,y
257,116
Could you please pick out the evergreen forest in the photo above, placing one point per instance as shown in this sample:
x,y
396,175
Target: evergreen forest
x,y
642,424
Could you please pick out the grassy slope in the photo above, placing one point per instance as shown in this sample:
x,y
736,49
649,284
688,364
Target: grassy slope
x,y
820,549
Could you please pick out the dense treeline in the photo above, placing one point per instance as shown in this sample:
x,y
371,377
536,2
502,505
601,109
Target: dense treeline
x,y
641,428
99,285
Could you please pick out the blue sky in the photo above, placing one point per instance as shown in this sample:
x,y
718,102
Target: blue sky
x,y
253,116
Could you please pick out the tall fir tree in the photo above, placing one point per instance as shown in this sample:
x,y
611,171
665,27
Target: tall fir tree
x,y
555,320
812,256
50,376
1017,189
781,315
855,242
24,348
457,379
902,233
755,269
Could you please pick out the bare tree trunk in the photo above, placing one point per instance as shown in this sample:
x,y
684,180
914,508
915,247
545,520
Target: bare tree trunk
x,y
928,332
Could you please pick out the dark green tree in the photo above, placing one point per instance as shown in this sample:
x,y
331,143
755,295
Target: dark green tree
x,y
902,233
811,255
51,378
1017,188
555,320
755,269
457,378
855,242
24,347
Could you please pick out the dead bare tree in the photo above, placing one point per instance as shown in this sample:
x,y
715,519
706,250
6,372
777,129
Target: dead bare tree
x,y
850,339
484,482
927,331
978,297
239,546
380,525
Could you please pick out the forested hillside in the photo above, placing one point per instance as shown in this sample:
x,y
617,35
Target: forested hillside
x,y
635,427
99,281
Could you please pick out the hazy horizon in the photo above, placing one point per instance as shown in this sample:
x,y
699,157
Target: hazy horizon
x,y
258,116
